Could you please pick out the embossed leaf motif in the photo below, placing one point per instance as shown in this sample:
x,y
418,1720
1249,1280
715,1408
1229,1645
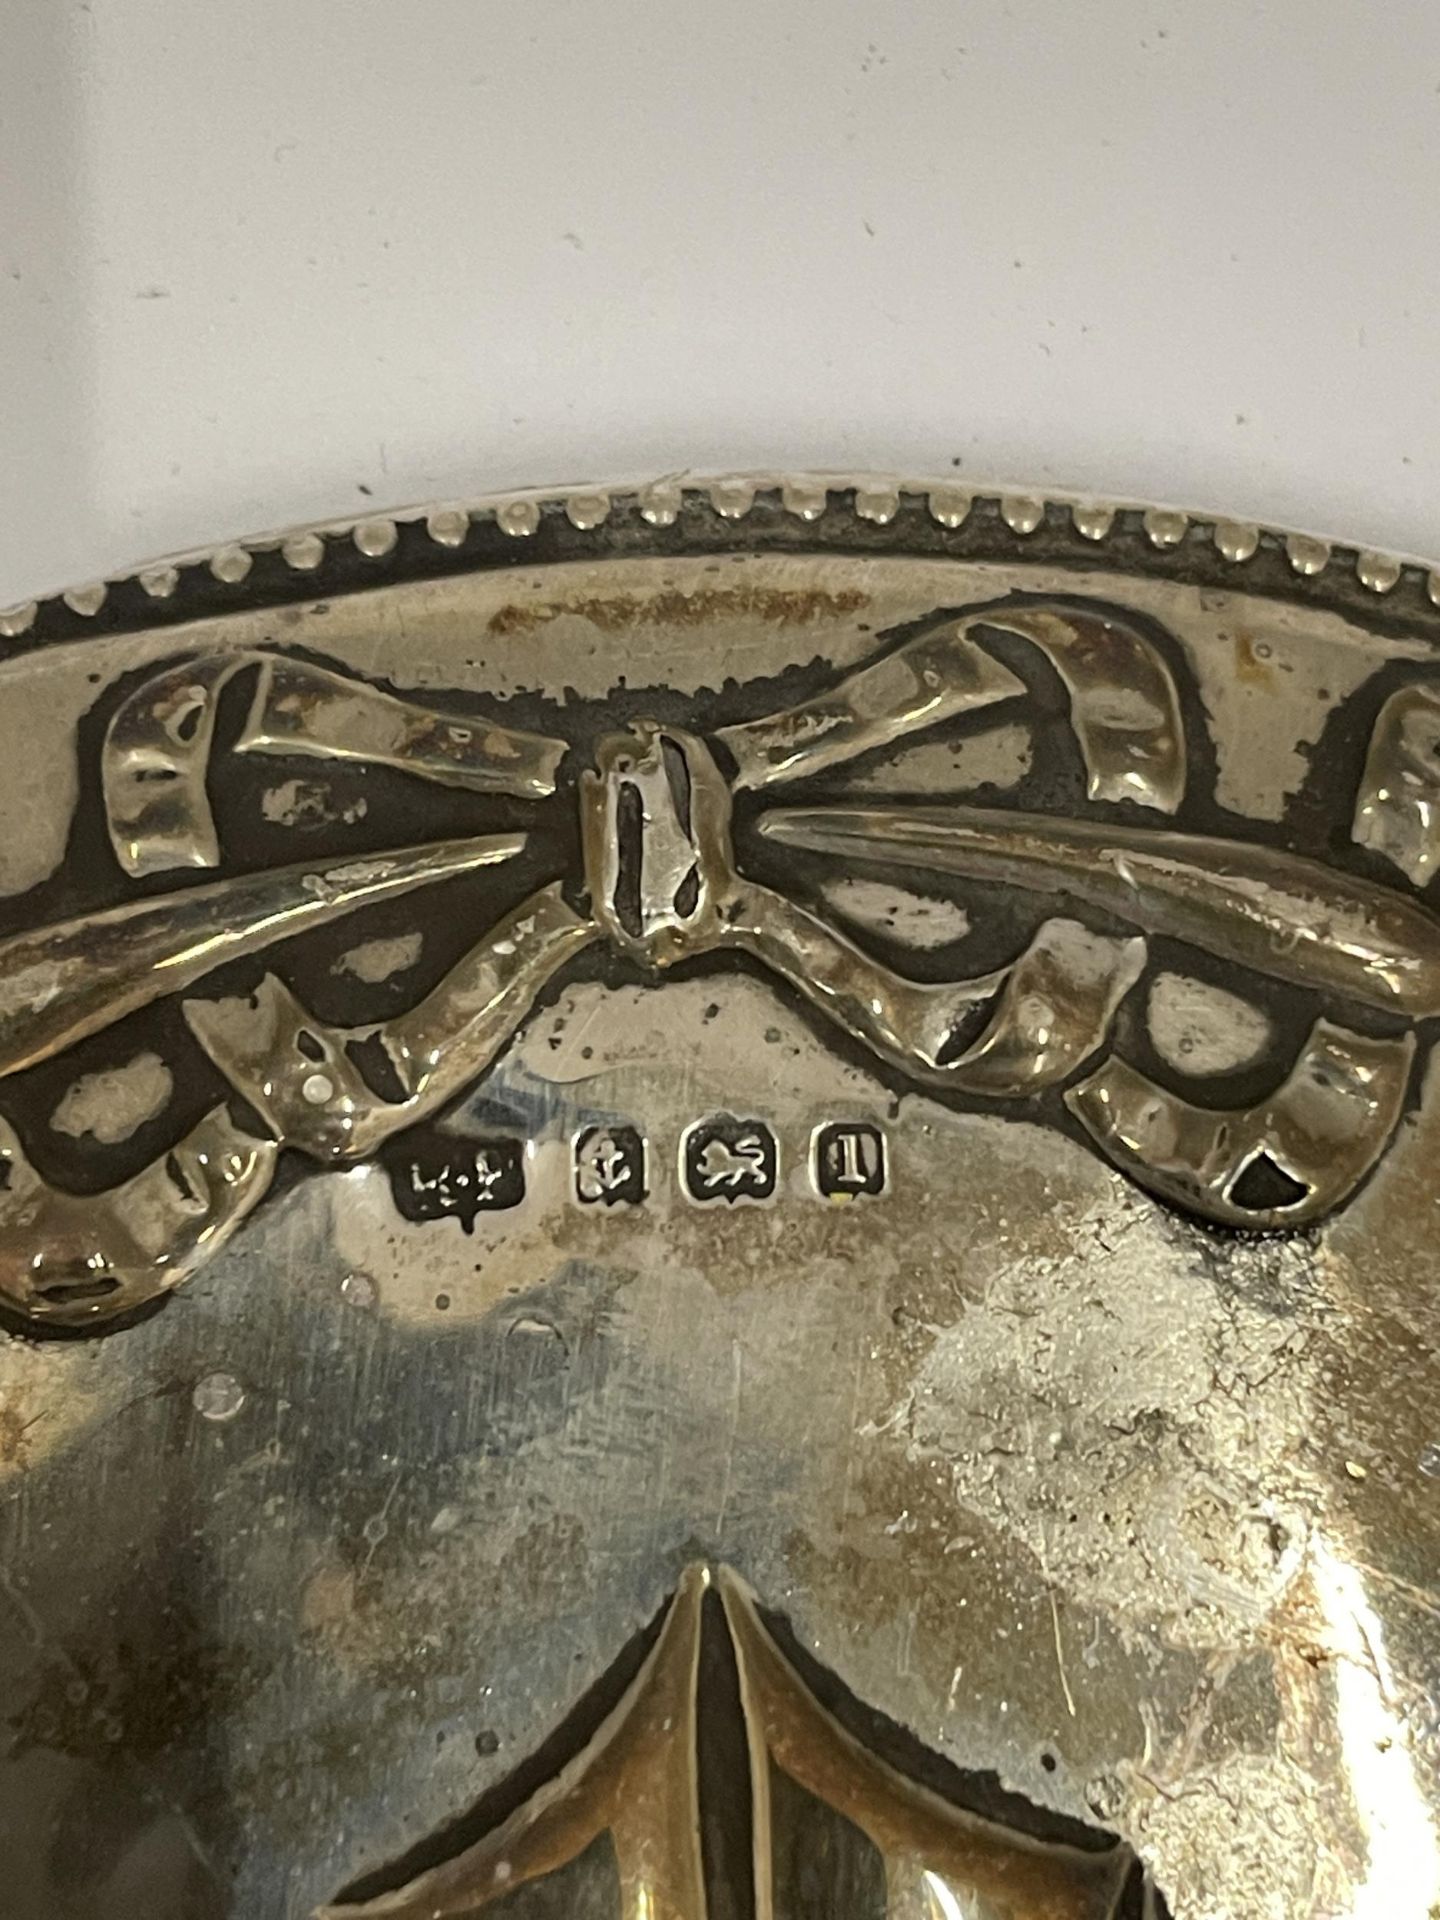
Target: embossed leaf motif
x,y
640,1782
666,875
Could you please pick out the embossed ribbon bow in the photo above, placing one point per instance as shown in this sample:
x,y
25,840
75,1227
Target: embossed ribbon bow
x,y
662,883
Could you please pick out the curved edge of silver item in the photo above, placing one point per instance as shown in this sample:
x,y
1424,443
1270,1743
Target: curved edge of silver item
x,y
875,498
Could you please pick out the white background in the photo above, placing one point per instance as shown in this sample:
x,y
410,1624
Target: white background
x,y
271,260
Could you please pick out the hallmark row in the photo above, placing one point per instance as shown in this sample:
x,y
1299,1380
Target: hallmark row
x,y
724,1160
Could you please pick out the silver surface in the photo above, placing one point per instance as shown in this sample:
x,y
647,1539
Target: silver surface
x,y
1050,1471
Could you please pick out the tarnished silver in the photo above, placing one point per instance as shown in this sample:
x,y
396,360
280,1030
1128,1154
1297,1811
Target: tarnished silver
x,y
739,1188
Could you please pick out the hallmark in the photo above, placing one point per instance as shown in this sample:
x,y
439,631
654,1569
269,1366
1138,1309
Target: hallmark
x,y
729,1160
610,1166
445,1177
848,1159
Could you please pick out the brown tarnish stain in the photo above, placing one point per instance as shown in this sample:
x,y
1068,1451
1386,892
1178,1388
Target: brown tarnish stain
x,y
740,1256
775,606
328,1601
1300,1634
1251,667
15,1437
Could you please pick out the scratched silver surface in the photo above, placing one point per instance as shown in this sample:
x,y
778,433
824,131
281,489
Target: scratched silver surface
x,y
1136,1515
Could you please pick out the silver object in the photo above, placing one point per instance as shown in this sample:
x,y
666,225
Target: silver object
x,y
789,1125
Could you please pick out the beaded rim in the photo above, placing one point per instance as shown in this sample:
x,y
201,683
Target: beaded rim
x,y
866,501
